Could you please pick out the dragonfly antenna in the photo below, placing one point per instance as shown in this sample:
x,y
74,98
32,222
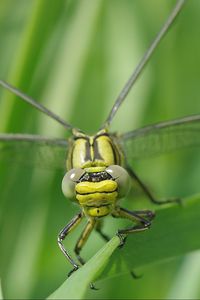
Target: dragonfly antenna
x,y
134,76
35,104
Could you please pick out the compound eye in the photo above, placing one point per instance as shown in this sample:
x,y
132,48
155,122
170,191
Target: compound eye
x,y
121,176
69,182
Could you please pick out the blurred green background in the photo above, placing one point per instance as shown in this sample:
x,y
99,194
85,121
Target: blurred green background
x,y
74,56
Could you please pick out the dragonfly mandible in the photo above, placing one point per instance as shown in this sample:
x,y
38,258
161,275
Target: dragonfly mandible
x,y
99,167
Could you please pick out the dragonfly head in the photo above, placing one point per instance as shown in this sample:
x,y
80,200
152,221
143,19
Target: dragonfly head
x,y
96,189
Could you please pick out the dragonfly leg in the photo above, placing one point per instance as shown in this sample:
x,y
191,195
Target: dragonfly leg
x,y
99,230
81,242
147,191
83,238
149,214
62,235
142,217
142,222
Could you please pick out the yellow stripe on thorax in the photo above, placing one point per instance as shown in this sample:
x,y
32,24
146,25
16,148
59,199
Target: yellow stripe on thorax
x,y
93,151
105,150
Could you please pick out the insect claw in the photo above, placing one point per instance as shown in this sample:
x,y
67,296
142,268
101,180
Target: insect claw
x,y
175,200
76,267
92,286
151,215
179,201
122,238
135,276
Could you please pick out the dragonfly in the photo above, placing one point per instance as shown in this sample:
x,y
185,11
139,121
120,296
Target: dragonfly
x,y
99,168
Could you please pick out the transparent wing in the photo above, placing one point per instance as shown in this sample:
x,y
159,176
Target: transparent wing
x,y
33,150
161,138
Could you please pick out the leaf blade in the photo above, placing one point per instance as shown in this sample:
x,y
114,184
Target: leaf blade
x,y
76,285
180,240
174,232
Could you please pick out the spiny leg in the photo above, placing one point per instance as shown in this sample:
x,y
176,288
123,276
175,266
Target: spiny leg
x,y
81,242
144,213
143,224
149,214
62,235
83,238
147,191
99,230
136,216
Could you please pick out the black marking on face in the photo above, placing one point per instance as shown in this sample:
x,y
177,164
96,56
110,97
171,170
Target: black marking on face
x,y
95,176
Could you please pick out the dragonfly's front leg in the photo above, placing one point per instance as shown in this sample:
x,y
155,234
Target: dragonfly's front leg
x,y
81,242
99,230
83,238
62,235
147,191
142,218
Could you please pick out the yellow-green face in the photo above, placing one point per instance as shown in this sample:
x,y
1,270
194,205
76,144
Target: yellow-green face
x,y
95,179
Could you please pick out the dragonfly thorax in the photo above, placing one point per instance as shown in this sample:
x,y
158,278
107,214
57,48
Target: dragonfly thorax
x,y
99,150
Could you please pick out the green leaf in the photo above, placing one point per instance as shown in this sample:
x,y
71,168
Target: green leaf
x,y
77,284
1,293
174,232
